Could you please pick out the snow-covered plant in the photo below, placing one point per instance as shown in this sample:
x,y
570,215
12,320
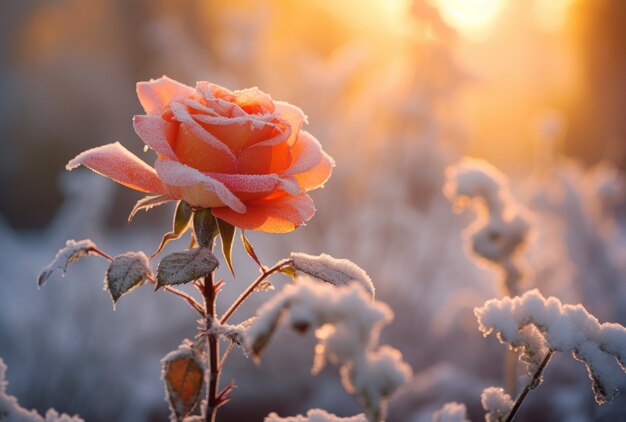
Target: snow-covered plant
x,y
500,233
11,411
347,323
539,327
238,160
451,412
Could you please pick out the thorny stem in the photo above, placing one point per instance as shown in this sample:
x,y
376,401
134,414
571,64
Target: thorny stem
x,y
210,296
265,273
529,386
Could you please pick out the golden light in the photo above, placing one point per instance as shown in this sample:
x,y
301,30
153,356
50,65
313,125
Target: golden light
x,y
471,18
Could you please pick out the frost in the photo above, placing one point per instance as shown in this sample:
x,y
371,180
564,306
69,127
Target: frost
x,y
183,267
126,272
496,403
557,327
451,412
69,254
11,411
315,415
339,272
234,333
501,233
347,325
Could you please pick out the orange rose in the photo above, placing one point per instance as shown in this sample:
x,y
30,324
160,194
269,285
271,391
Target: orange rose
x,y
240,153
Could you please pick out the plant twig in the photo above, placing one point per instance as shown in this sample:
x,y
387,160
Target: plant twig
x,y
529,386
266,273
188,298
210,296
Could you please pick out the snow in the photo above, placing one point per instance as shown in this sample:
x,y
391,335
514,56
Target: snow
x,y
496,403
565,328
315,415
451,412
339,272
11,411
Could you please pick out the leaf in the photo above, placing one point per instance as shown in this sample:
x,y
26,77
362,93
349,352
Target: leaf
x,y
248,246
205,227
260,332
126,272
331,270
182,217
227,233
183,267
146,203
183,373
67,255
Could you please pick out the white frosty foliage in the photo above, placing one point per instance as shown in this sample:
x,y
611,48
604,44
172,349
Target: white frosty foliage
x,y
451,412
496,403
69,254
234,333
564,328
126,272
501,233
315,415
347,325
11,411
339,272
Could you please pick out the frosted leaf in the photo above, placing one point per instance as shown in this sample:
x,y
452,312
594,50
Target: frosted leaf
x,y
569,329
69,254
451,412
315,415
339,272
126,272
183,267
183,374
496,403
11,411
148,202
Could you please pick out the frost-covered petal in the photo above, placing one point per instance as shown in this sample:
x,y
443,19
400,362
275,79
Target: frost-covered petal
x,y
195,188
157,133
310,166
198,148
239,132
249,187
117,163
293,116
276,214
156,94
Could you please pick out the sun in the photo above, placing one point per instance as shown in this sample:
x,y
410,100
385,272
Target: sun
x,y
471,18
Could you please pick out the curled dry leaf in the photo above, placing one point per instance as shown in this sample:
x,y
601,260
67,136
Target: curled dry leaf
x,y
183,267
182,218
69,254
126,272
183,373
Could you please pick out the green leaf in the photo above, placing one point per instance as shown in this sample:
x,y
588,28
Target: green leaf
x,y
182,218
126,272
183,267
227,233
205,227
250,250
183,373
148,202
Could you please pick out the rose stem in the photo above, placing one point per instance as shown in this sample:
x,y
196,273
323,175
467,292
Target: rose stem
x,y
529,386
210,296
251,288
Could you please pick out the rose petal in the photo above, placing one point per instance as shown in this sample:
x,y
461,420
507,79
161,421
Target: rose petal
x,y
197,189
156,94
199,149
293,116
157,133
238,132
211,93
250,187
311,166
264,159
253,101
117,163
278,214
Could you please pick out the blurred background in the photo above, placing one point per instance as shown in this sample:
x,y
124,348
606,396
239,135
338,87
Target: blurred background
x,y
395,90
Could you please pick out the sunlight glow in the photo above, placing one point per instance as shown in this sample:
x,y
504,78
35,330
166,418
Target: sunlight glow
x,y
471,18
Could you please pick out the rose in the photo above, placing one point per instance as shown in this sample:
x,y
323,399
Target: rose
x,y
240,153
